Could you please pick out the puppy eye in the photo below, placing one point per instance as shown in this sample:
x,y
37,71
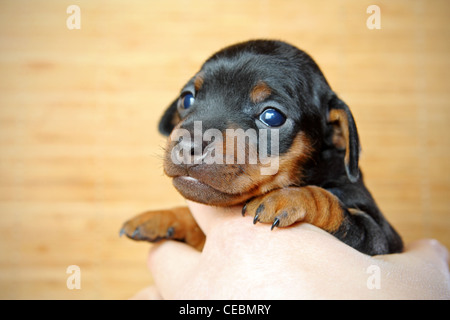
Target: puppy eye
x,y
187,100
272,117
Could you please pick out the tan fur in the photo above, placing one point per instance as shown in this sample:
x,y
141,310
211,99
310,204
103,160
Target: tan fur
x,y
260,92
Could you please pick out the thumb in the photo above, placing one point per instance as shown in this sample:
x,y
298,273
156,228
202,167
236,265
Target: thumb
x,y
423,266
172,264
431,251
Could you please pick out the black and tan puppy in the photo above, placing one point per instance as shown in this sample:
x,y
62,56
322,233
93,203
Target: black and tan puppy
x,y
274,91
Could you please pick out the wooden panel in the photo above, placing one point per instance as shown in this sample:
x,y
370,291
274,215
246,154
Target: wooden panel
x,y
79,149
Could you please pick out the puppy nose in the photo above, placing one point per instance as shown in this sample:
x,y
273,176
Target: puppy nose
x,y
192,152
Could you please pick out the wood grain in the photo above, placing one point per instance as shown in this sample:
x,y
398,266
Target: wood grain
x,y
79,149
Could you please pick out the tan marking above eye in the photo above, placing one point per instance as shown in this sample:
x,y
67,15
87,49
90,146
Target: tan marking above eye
x,y
198,81
260,92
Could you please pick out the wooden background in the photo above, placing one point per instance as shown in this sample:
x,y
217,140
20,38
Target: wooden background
x,y
79,149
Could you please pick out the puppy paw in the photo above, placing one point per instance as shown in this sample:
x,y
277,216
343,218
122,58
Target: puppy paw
x,y
284,207
177,224
280,208
150,226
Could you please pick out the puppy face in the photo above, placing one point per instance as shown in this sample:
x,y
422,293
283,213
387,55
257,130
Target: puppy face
x,y
258,116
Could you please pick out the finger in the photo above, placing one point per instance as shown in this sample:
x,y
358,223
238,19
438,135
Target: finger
x,y
429,250
171,264
208,216
426,262
149,293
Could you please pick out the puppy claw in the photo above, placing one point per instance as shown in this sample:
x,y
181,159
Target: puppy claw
x,y
258,211
122,232
244,209
275,223
135,233
170,232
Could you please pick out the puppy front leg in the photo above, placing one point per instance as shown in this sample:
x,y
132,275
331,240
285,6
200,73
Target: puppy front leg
x,y
173,224
320,207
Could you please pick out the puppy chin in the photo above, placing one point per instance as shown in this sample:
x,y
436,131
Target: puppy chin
x,y
195,190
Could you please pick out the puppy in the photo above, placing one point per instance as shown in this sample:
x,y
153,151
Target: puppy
x,y
259,126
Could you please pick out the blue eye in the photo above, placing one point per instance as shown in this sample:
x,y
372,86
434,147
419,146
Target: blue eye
x,y
187,100
272,118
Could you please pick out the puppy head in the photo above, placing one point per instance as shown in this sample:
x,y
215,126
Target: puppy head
x,y
256,117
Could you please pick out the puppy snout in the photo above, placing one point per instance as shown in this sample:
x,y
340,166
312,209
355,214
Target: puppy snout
x,y
192,152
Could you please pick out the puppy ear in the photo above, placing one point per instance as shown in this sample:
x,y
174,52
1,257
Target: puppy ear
x,y
169,119
345,135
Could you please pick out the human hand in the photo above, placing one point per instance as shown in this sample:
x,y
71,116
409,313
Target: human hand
x,y
245,261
